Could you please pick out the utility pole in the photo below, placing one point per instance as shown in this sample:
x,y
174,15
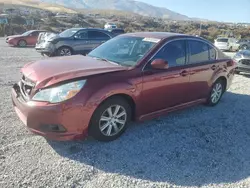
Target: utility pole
x,y
200,28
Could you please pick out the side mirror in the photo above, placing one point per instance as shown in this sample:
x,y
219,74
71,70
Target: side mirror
x,y
159,64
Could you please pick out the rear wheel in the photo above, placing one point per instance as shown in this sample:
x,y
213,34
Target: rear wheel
x,y
231,49
244,47
216,93
64,51
110,119
22,43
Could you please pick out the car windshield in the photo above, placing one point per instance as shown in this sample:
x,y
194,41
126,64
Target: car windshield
x,y
125,51
68,33
27,33
222,40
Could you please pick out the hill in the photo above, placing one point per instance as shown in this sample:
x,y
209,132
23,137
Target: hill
x,y
37,4
122,5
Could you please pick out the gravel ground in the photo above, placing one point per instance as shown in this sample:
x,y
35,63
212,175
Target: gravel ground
x,y
196,147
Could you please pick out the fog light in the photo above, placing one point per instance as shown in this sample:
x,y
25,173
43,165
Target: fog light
x,y
53,128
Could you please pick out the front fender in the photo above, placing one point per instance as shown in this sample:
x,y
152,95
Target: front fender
x,y
115,89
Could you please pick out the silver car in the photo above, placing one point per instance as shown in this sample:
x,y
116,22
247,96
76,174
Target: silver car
x,y
226,44
72,41
243,61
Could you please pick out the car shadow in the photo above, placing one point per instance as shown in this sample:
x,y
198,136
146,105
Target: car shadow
x,y
192,147
23,47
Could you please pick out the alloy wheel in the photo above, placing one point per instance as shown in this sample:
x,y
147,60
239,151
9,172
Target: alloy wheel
x,y
22,43
112,120
216,93
65,52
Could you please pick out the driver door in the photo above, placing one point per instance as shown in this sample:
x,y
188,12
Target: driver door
x,y
164,89
81,43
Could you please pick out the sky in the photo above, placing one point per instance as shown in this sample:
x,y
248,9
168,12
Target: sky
x,y
215,10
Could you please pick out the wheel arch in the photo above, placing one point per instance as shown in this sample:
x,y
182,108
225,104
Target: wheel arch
x,y
224,80
125,97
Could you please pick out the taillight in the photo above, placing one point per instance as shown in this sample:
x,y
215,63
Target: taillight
x,y
231,63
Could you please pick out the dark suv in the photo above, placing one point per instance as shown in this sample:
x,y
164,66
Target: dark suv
x,y
73,41
244,44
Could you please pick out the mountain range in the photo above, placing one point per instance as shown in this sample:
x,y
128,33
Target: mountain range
x,y
122,5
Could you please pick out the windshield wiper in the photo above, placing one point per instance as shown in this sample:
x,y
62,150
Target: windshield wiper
x,y
104,59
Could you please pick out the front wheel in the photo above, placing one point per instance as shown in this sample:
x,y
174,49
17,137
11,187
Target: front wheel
x,y
110,119
216,93
22,43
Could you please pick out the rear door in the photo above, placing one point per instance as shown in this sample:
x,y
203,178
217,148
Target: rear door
x,y
96,38
202,65
32,38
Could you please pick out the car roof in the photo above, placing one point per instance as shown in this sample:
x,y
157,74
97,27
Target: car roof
x,y
158,35
89,29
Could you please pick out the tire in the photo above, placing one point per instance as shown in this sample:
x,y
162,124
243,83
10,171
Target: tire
x,y
219,88
244,47
231,49
22,43
64,51
108,129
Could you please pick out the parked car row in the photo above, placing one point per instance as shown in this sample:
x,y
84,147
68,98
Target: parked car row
x,y
130,77
232,44
28,38
69,42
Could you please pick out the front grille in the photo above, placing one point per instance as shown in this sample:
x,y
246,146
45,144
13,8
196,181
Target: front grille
x,y
26,86
245,61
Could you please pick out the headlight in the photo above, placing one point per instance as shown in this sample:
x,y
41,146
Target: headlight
x,y
59,93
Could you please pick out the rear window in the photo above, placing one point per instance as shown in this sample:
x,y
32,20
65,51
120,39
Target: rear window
x,y
199,52
222,40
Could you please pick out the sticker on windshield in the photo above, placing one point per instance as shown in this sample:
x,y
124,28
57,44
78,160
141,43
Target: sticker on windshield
x,y
151,40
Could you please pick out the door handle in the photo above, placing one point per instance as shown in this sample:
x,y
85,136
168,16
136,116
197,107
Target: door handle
x,y
184,73
213,67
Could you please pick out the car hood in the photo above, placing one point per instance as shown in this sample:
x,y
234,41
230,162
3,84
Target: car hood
x,y
246,54
54,70
14,36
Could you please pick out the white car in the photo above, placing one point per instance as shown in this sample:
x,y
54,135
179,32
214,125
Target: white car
x,y
226,44
110,26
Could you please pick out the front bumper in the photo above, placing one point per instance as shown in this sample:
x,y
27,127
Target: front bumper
x,y
224,48
39,115
12,42
243,69
243,65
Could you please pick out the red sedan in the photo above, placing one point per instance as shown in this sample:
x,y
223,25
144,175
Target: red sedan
x,y
136,77
28,38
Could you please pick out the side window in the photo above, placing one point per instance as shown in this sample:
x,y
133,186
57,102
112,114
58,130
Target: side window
x,y
198,52
174,53
34,34
82,35
98,35
212,53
